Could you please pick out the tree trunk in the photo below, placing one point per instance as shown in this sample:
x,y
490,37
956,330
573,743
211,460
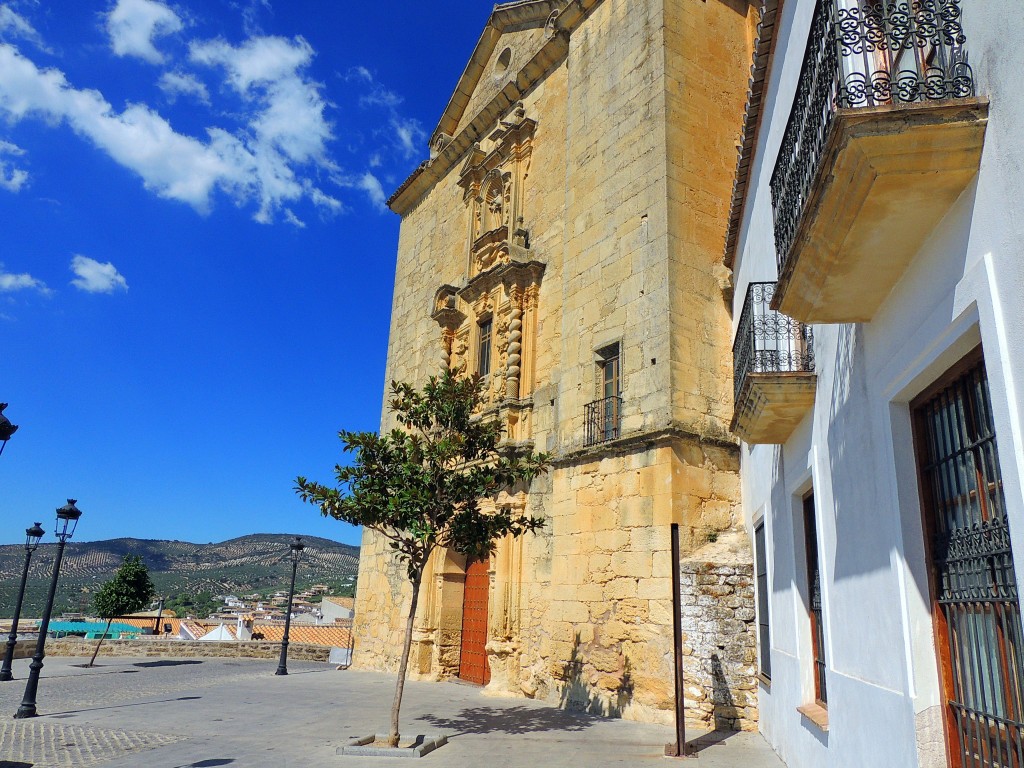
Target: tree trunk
x,y
92,661
404,664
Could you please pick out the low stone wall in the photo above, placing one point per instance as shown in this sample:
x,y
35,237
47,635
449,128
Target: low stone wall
x,y
183,649
23,649
719,645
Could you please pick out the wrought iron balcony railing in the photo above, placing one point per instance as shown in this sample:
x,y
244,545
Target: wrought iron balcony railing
x,y
767,341
862,53
602,420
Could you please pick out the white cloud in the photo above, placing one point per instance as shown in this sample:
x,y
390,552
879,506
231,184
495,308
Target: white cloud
x,y
407,134
12,179
288,123
286,129
251,13
134,24
371,185
15,26
95,277
18,282
176,84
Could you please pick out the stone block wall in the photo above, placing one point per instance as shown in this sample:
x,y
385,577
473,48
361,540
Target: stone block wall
x,y
73,646
719,645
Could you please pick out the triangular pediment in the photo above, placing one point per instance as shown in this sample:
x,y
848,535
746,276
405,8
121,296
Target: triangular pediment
x,y
513,35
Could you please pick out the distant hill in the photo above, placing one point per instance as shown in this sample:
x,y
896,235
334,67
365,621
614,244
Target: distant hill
x,y
255,563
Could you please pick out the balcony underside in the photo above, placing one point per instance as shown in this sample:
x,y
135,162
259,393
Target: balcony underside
x,y
770,406
887,177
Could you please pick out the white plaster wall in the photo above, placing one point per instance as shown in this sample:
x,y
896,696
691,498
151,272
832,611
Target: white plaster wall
x,y
964,286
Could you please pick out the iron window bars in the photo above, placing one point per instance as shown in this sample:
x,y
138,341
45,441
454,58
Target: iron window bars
x,y
602,420
862,53
980,638
768,341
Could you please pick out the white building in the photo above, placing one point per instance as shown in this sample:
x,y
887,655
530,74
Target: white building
x,y
880,201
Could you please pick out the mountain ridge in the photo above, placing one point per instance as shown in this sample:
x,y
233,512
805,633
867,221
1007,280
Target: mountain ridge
x,y
251,563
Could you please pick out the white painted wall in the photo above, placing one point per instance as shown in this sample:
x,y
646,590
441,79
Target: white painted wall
x,y
966,285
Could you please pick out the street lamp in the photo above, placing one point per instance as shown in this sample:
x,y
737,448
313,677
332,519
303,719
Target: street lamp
x,y
6,428
67,521
295,551
32,537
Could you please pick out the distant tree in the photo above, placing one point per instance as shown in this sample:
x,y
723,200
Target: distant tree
x,y
420,485
130,590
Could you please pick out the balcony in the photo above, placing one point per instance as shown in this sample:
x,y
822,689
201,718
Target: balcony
x,y
602,419
773,364
884,135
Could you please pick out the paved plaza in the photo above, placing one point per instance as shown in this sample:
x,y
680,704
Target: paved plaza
x,y
203,713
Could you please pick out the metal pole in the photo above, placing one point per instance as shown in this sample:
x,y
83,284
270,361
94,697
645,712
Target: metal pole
x,y
28,703
12,640
282,665
679,748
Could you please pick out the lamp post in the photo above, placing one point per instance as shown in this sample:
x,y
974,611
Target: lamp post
x,y
32,537
67,521
6,428
295,551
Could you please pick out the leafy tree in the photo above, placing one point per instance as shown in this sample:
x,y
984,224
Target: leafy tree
x,y
420,485
128,591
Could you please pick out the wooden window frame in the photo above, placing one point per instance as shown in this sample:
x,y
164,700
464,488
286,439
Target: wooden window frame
x,y
607,356
484,343
764,663
817,622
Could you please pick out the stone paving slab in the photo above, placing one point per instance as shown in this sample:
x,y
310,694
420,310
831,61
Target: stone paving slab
x,y
237,713
43,742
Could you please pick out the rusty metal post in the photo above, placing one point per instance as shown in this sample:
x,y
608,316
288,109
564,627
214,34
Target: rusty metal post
x,y
679,748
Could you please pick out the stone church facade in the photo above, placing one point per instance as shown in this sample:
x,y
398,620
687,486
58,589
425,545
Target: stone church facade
x,y
564,240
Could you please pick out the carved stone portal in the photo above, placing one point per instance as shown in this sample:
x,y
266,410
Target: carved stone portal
x,y
493,183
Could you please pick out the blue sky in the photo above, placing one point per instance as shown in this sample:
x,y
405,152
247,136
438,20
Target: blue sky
x,y
196,264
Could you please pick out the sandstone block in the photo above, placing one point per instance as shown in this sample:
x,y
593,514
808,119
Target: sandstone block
x,y
635,564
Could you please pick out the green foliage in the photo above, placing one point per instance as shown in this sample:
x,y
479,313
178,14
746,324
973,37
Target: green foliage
x,y
199,606
130,590
420,485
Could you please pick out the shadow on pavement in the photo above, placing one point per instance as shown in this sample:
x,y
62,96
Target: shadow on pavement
x,y
9,764
514,720
206,763
167,663
710,739
120,706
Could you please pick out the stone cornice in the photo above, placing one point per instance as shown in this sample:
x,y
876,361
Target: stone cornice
x,y
562,19
642,440
519,270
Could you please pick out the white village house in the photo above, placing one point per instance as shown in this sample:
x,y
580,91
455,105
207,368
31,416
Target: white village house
x,y
877,242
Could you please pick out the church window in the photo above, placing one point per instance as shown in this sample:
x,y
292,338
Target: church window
x,y
484,337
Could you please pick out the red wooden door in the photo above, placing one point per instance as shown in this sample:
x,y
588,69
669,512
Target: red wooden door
x,y
473,665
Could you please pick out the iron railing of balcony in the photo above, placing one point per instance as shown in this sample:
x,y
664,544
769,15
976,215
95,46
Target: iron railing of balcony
x,y
863,53
767,341
602,420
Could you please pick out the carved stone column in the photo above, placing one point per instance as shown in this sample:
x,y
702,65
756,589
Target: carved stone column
x,y
447,315
515,345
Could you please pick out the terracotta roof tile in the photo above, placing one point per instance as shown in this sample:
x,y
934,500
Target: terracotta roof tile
x,y
148,623
344,602
329,635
